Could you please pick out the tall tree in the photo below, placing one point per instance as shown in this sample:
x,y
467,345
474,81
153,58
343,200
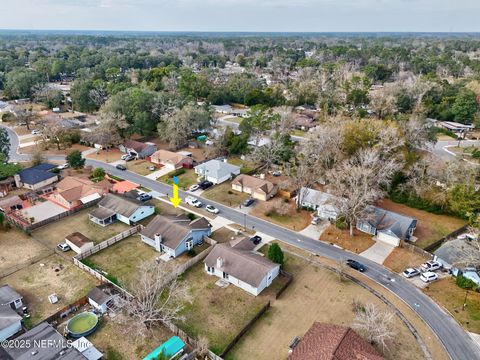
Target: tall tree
x,y
4,144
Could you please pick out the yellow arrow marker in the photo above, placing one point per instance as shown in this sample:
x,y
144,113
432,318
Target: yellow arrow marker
x,y
175,200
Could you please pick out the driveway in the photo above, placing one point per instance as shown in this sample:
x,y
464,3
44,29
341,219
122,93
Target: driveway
x,y
378,252
315,231
159,173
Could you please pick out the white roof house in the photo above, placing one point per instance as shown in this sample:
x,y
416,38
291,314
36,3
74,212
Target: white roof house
x,y
323,203
217,171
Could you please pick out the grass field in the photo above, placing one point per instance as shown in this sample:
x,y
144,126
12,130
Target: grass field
x,y
358,243
36,282
315,294
401,258
121,260
55,232
219,314
431,227
224,194
446,293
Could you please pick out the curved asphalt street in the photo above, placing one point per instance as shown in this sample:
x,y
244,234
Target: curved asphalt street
x,y
457,342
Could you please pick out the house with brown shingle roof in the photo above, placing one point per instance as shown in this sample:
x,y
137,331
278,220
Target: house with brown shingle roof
x,y
137,148
175,235
74,191
258,188
333,342
241,267
171,160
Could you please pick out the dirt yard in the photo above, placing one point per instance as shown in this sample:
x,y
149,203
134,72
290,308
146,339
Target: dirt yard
x,y
430,227
140,167
295,219
402,258
317,290
52,150
107,156
222,235
446,293
224,194
358,243
36,282
121,260
117,342
19,249
54,233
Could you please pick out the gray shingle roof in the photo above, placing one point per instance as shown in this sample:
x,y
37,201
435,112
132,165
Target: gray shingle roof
x,y
8,295
120,204
8,316
217,169
36,174
389,222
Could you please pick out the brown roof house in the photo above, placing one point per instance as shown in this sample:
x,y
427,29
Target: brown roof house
x,y
333,342
138,149
241,267
73,191
174,235
258,188
78,242
171,160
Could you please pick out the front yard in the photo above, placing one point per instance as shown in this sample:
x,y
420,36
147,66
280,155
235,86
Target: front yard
x,y
140,167
293,219
357,243
107,156
186,178
402,258
52,275
224,194
431,227
54,233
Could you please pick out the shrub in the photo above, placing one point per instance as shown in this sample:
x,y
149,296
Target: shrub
x,y
177,172
341,224
191,216
98,173
191,252
465,283
275,254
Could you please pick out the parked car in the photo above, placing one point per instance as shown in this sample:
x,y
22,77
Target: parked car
x,y
256,239
190,200
121,167
144,197
212,209
431,265
205,184
129,158
249,201
194,187
124,156
277,173
315,220
152,168
63,166
410,272
428,276
355,265
35,132
63,247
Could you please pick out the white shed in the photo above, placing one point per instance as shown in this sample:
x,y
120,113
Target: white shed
x,y
79,242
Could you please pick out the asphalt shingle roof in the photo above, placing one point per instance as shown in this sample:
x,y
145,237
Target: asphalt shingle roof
x,y
37,174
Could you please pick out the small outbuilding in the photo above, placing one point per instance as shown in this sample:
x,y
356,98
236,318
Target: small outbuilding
x,y
79,242
101,297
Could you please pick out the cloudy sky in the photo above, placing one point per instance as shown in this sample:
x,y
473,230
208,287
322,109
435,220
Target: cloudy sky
x,y
243,15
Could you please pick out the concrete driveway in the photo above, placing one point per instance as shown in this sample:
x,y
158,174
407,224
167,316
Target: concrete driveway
x,y
378,252
159,173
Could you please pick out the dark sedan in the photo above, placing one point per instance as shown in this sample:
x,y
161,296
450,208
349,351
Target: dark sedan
x,y
256,239
355,265
121,167
205,184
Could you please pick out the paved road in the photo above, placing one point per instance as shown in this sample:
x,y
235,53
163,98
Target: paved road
x,y
457,342
440,148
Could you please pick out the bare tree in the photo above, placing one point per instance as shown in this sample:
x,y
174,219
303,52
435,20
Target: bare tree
x,y
109,131
375,325
156,298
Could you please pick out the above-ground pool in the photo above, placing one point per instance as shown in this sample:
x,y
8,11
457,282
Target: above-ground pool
x,y
82,324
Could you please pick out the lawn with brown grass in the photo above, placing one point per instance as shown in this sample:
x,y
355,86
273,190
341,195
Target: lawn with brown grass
x,y
185,180
52,150
315,294
446,293
402,258
140,167
295,219
430,227
222,235
106,156
224,194
36,282
357,243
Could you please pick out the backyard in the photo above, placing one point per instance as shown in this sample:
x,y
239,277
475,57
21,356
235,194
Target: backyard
x,y
317,290
224,194
52,275
54,233
228,309
245,165
431,227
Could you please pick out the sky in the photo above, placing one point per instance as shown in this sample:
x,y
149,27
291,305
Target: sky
x,y
244,15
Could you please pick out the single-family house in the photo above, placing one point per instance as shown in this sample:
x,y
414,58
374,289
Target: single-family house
x,y
387,226
217,171
79,242
11,203
116,207
138,149
36,177
10,323
102,297
222,109
37,337
72,191
455,127
243,268
258,188
332,342
323,203
174,235
8,296
171,160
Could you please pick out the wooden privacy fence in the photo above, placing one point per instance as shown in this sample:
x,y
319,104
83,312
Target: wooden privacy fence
x,y
67,310
416,249
284,287
453,234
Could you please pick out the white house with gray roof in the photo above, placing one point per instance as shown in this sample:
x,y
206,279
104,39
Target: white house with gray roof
x,y
9,297
323,203
217,171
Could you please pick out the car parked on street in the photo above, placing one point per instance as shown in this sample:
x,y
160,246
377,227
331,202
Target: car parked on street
x,y
356,265
431,265
190,200
212,209
249,201
121,167
205,184
63,247
410,272
428,276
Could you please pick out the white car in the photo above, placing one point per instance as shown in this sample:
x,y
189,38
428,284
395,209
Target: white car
x,y
428,276
63,247
212,209
431,265
35,132
63,166
410,272
152,168
190,200
194,187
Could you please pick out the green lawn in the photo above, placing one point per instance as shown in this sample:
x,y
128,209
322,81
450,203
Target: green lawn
x,y
245,166
185,180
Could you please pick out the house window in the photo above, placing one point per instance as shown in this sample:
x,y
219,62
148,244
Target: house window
x,y
211,269
189,244
225,275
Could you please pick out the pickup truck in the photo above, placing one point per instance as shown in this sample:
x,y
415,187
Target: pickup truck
x,y
190,200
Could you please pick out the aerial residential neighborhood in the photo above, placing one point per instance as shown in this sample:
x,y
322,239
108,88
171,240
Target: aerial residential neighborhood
x,y
278,180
